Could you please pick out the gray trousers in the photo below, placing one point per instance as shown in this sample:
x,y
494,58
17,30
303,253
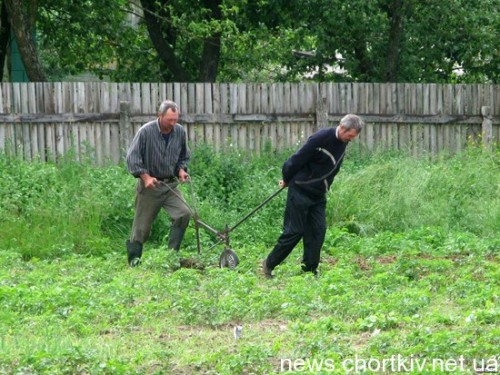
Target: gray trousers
x,y
148,203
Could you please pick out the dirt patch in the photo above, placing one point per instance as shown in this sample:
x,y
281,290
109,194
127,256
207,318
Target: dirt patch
x,y
330,260
388,259
363,264
191,263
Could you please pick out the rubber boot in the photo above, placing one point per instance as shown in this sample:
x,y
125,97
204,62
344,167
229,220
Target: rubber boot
x,y
268,273
309,269
134,252
175,238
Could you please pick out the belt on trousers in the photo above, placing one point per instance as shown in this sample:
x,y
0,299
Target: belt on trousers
x,y
166,179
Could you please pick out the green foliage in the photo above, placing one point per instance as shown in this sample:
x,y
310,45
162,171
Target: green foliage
x,y
67,208
465,38
427,288
421,41
73,207
231,184
90,36
400,193
262,41
96,315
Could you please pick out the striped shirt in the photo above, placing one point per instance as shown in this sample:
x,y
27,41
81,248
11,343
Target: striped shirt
x,y
148,152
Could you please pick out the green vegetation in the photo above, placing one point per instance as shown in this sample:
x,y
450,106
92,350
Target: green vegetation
x,y
410,268
446,41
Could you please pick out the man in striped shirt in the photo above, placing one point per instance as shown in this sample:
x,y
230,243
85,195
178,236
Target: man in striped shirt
x,y
158,156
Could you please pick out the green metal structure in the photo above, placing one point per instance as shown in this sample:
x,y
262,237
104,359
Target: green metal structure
x,y
18,72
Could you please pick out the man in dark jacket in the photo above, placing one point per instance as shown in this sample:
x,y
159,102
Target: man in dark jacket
x,y
308,174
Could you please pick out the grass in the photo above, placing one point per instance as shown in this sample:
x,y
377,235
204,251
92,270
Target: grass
x,y
95,315
420,284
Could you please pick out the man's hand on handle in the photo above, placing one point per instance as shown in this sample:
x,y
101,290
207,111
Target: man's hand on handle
x,y
149,182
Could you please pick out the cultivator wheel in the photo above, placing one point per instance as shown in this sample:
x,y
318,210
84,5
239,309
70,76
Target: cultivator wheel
x,y
228,259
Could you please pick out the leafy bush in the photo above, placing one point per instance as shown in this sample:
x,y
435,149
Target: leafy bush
x,y
398,193
76,208
409,267
49,210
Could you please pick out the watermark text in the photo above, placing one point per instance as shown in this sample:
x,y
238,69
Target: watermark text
x,y
394,363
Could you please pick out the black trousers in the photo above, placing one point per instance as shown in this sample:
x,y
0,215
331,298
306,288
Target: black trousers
x,y
304,219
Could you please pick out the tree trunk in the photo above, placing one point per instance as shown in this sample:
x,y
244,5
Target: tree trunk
x,y
22,22
211,47
395,13
161,43
4,37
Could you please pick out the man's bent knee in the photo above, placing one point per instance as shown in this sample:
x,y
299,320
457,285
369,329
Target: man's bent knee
x,y
182,220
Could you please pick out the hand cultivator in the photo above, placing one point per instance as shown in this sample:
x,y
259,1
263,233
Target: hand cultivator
x,y
228,257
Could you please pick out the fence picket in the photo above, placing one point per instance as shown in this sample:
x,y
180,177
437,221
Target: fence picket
x,y
46,120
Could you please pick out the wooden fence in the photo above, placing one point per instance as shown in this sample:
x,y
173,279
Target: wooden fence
x,y
97,120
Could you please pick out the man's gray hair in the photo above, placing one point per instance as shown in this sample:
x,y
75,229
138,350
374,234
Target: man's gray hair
x,y
166,105
351,121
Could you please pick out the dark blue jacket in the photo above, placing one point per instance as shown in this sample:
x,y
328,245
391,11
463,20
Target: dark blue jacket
x,y
314,166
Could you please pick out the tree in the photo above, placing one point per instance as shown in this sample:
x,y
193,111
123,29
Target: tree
x,y
164,38
78,36
453,41
396,17
4,34
174,41
21,16
186,36
402,41
261,40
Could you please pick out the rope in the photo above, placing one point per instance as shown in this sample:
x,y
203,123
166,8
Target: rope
x,y
335,165
180,196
